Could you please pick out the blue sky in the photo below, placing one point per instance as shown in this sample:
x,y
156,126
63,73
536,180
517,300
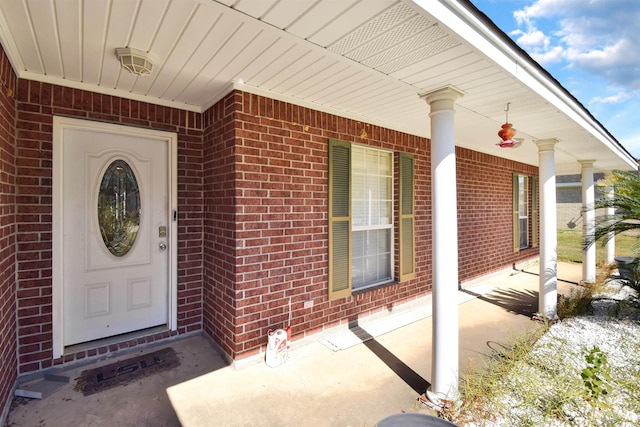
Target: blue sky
x,y
592,47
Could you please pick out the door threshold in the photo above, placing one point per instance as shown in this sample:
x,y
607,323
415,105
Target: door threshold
x,y
116,339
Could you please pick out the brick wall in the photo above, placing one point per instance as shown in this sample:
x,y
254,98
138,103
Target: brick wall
x,y
8,370
221,213
36,104
485,229
277,252
252,215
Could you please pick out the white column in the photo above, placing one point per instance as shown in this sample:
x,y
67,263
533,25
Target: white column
x,y
444,368
611,243
548,299
588,221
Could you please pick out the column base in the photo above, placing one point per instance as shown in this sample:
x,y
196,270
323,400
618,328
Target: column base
x,y
437,401
540,317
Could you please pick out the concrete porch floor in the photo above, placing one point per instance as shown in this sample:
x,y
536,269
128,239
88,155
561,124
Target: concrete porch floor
x,y
356,386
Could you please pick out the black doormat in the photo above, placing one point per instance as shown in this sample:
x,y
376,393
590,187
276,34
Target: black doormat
x,y
125,371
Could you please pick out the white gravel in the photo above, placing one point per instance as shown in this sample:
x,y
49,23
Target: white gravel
x,y
546,388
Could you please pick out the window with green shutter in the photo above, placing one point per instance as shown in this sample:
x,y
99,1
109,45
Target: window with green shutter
x,y
523,210
360,217
525,215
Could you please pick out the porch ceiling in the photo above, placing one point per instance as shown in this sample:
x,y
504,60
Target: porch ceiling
x,y
364,59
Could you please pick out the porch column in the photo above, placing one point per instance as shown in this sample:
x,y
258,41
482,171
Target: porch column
x,y
588,221
548,298
611,243
444,344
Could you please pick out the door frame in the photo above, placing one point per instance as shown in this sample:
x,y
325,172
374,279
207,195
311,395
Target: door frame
x,y
61,123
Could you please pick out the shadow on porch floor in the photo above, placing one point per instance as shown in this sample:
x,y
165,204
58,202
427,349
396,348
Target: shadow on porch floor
x,y
319,386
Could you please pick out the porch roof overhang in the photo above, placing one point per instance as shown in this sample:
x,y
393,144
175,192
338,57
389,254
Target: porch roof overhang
x,y
366,60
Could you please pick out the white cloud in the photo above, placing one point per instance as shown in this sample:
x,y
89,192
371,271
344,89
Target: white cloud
x,y
613,99
532,40
546,9
551,56
600,37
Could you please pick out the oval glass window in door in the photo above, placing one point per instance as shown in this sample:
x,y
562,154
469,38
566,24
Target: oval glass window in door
x,y
119,208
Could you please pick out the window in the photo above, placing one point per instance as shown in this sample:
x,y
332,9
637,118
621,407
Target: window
x,y
525,212
372,216
119,208
361,223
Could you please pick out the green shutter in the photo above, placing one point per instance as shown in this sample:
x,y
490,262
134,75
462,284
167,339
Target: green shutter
x,y
516,213
534,212
407,231
339,219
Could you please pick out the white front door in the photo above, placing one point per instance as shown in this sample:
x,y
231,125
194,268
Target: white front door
x,y
116,227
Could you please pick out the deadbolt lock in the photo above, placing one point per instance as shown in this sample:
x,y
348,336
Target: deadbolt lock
x,y
162,231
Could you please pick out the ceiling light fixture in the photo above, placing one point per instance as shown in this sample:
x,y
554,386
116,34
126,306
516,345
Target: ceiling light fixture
x,y
135,61
507,133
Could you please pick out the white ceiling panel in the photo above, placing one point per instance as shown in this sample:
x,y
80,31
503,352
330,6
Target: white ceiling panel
x,y
368,60
361,100
252,7
45,27
149,15
256,51
345,80
318,16
20,39
116,18
375,28
228,62
467,81
72,50
299,61
336,78
282,13
451,59
196,29
173,24
258,69
350,93
357,15
315,72
314,82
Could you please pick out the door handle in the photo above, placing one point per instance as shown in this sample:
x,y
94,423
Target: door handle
x,y
162,246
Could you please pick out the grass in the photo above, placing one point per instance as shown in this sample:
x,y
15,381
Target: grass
x,y
536,377
536,380
570,246
483,384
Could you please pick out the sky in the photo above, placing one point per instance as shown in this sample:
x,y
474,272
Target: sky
x,y
592,47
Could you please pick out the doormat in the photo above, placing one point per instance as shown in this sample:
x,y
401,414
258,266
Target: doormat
x,y
125,371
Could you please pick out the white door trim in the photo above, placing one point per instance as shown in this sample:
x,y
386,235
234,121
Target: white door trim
x,y
59,126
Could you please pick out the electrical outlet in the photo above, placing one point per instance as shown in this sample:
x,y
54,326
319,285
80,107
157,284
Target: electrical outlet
x,y
308,303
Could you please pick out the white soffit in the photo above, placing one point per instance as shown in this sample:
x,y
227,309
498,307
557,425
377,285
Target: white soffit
x,y
364,59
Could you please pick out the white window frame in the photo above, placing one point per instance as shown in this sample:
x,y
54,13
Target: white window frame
x,y
523,210
389,225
